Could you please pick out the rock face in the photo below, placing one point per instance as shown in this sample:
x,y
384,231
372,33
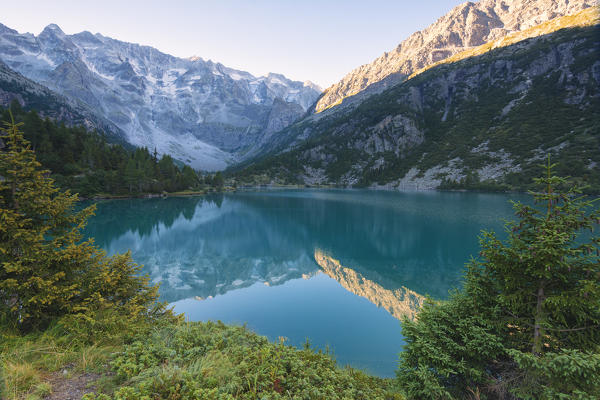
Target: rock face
x,y
200,112
14,86
488,117
467,25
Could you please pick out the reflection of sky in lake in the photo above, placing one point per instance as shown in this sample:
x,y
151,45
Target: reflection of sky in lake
x,y
250,257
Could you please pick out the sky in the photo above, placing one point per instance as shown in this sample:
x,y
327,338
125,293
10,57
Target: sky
x,y
314,40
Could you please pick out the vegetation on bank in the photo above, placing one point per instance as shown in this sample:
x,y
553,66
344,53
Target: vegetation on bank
x,y
526,324
179,361
86,163
67,312
215,361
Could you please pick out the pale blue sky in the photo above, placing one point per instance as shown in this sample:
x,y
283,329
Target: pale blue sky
x,y
312,40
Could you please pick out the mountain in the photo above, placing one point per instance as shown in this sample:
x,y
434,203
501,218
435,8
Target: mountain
x,y
465,26
30,95
490,114
201,112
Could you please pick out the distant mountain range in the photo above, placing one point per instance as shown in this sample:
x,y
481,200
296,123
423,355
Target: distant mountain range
x,y
200,112
476,99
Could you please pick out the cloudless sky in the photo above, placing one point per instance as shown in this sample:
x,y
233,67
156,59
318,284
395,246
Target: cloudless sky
x,y
317,40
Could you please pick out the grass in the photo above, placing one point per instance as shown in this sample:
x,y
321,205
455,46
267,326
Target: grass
x,y
185,360
28,362
19,378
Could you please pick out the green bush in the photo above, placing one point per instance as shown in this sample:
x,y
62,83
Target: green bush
x,y
527,323
215,361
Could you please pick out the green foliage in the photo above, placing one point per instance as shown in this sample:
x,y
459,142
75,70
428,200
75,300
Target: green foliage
x,y
527,322
547,271
218,180
86,163
567,374
448,349
45,270
115,299
180,361
212,360
39,254
26,361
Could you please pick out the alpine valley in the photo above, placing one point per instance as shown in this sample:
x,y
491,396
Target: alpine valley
x,y
473,101
173,228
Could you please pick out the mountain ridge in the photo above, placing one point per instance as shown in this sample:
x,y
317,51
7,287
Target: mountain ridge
x,y
202,112
482,119
33,96
467,25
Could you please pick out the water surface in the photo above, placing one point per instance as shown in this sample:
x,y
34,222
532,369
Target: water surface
x,y
336,267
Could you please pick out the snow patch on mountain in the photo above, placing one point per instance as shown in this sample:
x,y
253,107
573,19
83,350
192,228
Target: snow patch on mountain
x,y
200,112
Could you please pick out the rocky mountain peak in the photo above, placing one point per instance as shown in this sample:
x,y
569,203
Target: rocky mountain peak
x,y
465,26
200,112
6,30
52,30
482,119
313,85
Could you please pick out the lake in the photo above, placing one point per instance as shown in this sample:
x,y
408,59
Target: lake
x,y
338,268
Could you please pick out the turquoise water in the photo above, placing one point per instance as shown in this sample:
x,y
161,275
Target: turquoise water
x,y
336,267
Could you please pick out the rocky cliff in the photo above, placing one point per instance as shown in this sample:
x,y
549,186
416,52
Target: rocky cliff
x,y
200,112
32,96
489,115
465,26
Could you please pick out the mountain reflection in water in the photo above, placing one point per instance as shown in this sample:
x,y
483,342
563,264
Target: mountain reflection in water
x,y
401,302
267,259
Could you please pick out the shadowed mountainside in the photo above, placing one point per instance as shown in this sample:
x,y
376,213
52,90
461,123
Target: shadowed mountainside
x,y
488,118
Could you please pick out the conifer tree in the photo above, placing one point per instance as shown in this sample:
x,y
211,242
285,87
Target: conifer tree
x,y
189,178
547,270
527,322
85,163
45,270
218,180
40,257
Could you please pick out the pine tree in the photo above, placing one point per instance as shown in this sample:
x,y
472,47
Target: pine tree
x,y
218,180
130,175
547,275
189,177
39,255
548,270
46,271
527,322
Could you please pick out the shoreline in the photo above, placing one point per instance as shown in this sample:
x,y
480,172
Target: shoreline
x,y
248,188
375,188
104,196
277,187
